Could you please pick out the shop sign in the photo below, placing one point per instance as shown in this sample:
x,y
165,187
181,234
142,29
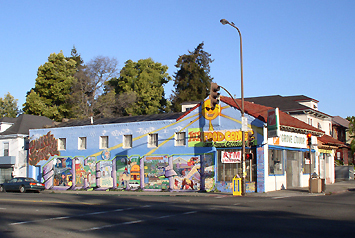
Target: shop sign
x,y
273,123
325,151
290,139
219,139
232,157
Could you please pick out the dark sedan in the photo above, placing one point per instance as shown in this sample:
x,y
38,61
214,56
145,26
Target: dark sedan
x,y
22,185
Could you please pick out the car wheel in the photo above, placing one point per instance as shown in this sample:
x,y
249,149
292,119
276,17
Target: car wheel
x,y
2,189
22,189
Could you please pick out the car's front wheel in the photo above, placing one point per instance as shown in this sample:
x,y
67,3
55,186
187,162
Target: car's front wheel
x,y
22,189
2,189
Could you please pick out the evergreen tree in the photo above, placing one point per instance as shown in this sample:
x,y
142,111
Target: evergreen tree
x,y
8,106
50,96
143,79
192,80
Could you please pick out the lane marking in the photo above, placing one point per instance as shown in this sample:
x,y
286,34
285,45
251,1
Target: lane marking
x,y
79,215
41,201
135,221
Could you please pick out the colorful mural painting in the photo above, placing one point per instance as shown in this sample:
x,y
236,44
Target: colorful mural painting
x,y
208,173
79,172
154,172
104,176
90,172
128,172
42,148
188,172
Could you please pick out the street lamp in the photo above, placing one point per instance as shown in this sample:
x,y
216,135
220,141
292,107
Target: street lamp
x,y
224,22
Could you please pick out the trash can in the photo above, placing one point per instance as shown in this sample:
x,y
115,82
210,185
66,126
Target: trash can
x,y
237,186
316,185
323,185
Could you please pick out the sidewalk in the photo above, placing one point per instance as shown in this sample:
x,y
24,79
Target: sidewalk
x,y
336,188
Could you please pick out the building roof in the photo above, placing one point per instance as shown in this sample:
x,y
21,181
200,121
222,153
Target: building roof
x,y
8,119
328,140
287,122
340,121
285,103
125,119
25,122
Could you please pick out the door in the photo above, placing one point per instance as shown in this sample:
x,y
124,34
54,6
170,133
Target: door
x,y
293,169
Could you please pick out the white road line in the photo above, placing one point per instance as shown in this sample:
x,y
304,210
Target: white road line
x,y
135,222
79,215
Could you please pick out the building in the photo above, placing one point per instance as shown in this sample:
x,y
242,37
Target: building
x,y
199,149
14,143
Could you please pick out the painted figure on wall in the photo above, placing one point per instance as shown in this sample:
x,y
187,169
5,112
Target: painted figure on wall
x,y
62,172
105,179
79,171
188,173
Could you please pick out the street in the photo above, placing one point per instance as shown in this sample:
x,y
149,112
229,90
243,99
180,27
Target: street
x,y
85,215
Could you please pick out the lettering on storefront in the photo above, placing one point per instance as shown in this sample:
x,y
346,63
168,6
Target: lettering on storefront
x,y
220,139
290,139
232,157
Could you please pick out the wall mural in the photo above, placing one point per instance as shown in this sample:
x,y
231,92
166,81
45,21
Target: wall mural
x,y
104,177
128,172
154,172
90,172
42,148
188,172
80,173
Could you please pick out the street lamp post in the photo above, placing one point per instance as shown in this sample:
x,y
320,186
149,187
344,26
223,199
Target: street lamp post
x,y
224,22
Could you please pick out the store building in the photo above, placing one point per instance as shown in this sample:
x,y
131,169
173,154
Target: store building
x,y
199,149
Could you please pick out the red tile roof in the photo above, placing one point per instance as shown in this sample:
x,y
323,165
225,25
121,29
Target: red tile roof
x,y
328,140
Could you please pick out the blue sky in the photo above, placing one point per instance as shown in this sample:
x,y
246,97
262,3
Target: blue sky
x,y
289,47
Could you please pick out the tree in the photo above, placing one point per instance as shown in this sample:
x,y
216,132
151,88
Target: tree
x,y
145,79
352,132
50,96
89,84
192,80
8,106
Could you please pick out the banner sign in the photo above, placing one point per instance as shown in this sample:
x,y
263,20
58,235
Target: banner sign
x,y
273,123
231,157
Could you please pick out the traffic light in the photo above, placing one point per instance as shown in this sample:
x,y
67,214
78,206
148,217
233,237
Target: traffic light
x,y
251,138
309,139
249,156
214,95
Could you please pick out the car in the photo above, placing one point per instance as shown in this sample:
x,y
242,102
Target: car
x,y
22,184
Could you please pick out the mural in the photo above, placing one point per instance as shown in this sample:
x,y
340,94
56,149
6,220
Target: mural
x,y
42,148
105,177
90,172
187,169
58,173
80,173
209,166
128,172
154,172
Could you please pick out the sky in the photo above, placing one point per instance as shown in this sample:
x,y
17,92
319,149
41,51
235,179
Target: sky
x,y
293,47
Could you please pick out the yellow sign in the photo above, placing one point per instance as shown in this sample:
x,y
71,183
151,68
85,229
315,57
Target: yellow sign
x,y
237,186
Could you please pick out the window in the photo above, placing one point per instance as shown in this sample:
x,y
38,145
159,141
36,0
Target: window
x,y
180,139
310,121
62,144
82,143
6,149
127,141
153,140
275,162
103,142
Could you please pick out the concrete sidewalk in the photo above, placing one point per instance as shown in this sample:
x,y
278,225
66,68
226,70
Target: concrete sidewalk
x,y
336,188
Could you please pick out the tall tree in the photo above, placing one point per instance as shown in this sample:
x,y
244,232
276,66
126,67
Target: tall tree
x,y
192,79
145,79
8,106
50,96
89,84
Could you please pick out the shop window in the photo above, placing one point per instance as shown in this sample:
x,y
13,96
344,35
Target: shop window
x,y
275,162
103,142
153,140
127,141
82,143
180,139
62,144
226,171
6,149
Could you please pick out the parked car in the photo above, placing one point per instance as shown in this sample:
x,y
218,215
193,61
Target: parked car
x,y
21,184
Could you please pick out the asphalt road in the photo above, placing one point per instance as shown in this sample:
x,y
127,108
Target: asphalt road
x,y
72,215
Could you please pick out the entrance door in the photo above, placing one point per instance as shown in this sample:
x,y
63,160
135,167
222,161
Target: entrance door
x,y
293,169
5,174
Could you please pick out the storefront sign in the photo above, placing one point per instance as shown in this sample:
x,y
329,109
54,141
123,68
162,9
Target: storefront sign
x,y
273,123
290,139
232,157
220,139
325,151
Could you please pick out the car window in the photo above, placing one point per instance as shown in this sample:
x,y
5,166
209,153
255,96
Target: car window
x,y
19,180
30,180
14,180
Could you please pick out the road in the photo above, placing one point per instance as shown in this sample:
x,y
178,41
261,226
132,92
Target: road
x,y
75,215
